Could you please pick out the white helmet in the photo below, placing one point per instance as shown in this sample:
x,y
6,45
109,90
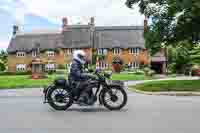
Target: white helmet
x,y
80,56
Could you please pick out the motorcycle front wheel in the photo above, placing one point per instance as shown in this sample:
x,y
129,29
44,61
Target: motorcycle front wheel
x,y
114,98
59,98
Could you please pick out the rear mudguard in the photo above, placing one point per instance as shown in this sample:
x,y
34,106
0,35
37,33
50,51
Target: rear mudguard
x,y
46,91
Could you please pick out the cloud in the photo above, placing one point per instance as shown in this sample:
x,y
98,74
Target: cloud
x,y
106,12
4,44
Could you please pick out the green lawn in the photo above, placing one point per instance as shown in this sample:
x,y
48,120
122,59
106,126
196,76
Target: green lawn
x,y
24,81
124,76
170,85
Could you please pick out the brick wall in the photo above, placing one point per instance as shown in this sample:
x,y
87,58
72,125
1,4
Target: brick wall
x,y
61,58
126,57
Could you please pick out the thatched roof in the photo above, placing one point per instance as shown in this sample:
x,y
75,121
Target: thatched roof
x,y
79,36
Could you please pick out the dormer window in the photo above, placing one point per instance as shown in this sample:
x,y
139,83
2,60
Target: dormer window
x,y
21,54
116,51
69,51
50,53
135,51
34,53
102,51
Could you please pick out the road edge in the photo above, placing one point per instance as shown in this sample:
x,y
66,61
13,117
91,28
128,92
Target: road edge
x,y
170,93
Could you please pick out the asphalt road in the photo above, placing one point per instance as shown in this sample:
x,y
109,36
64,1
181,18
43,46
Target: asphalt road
x,y
143,114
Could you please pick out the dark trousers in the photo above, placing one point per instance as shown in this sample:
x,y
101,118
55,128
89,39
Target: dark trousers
x,y
81,87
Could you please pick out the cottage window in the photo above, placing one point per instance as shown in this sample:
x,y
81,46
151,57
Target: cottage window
x,y
102,51
135,51
20,67
50,53
134,65
116,50
50,67
21,54
102,65
34,53
69,51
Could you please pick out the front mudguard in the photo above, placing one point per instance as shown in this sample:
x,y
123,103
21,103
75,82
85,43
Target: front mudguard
x,y
116,83
110,85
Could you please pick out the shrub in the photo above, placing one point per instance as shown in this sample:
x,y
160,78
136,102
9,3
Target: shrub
x,y
50,72
2,66
151,73
125,67
139,72
15,73
61,66
148,71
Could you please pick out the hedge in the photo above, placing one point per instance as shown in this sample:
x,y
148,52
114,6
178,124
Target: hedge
x,y
15,73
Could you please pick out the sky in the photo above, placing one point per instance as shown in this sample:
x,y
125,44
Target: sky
x,y
48,14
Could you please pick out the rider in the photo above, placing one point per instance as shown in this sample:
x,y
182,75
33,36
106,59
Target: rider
x,y
78,77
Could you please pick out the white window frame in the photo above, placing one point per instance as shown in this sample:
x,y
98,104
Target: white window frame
x,y
20,67
69,51
20,54
102,51
34,53
102,65
50,66
134,65
116,50
50,53
134,51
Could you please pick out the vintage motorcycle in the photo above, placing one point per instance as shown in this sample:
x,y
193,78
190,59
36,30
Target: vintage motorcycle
x,y
60,95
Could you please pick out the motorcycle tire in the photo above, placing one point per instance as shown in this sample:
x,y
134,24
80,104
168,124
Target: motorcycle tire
x,y
52,102
105,103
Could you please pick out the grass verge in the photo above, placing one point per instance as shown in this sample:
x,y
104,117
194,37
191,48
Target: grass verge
x,y
169,85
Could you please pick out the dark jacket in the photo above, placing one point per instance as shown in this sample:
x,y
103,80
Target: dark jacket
x,y
77,72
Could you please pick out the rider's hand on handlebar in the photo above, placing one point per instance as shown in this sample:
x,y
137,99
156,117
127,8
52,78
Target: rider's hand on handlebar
x,y
92,76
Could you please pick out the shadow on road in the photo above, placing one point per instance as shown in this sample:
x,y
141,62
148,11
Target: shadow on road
x,y
89,109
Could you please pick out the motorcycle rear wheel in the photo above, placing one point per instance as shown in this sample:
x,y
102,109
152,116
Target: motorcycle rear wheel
x,y
63,97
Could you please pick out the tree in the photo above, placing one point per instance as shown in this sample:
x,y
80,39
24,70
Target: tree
x,y
3,56
183,57
172,21
195,55
2,66
3,60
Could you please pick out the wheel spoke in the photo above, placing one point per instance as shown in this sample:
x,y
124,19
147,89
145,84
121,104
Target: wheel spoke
x,y
115,92
57,91
62,91
66,94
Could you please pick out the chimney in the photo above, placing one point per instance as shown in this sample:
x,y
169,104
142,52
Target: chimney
x,y
92,21
145,24
64,23
15,29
